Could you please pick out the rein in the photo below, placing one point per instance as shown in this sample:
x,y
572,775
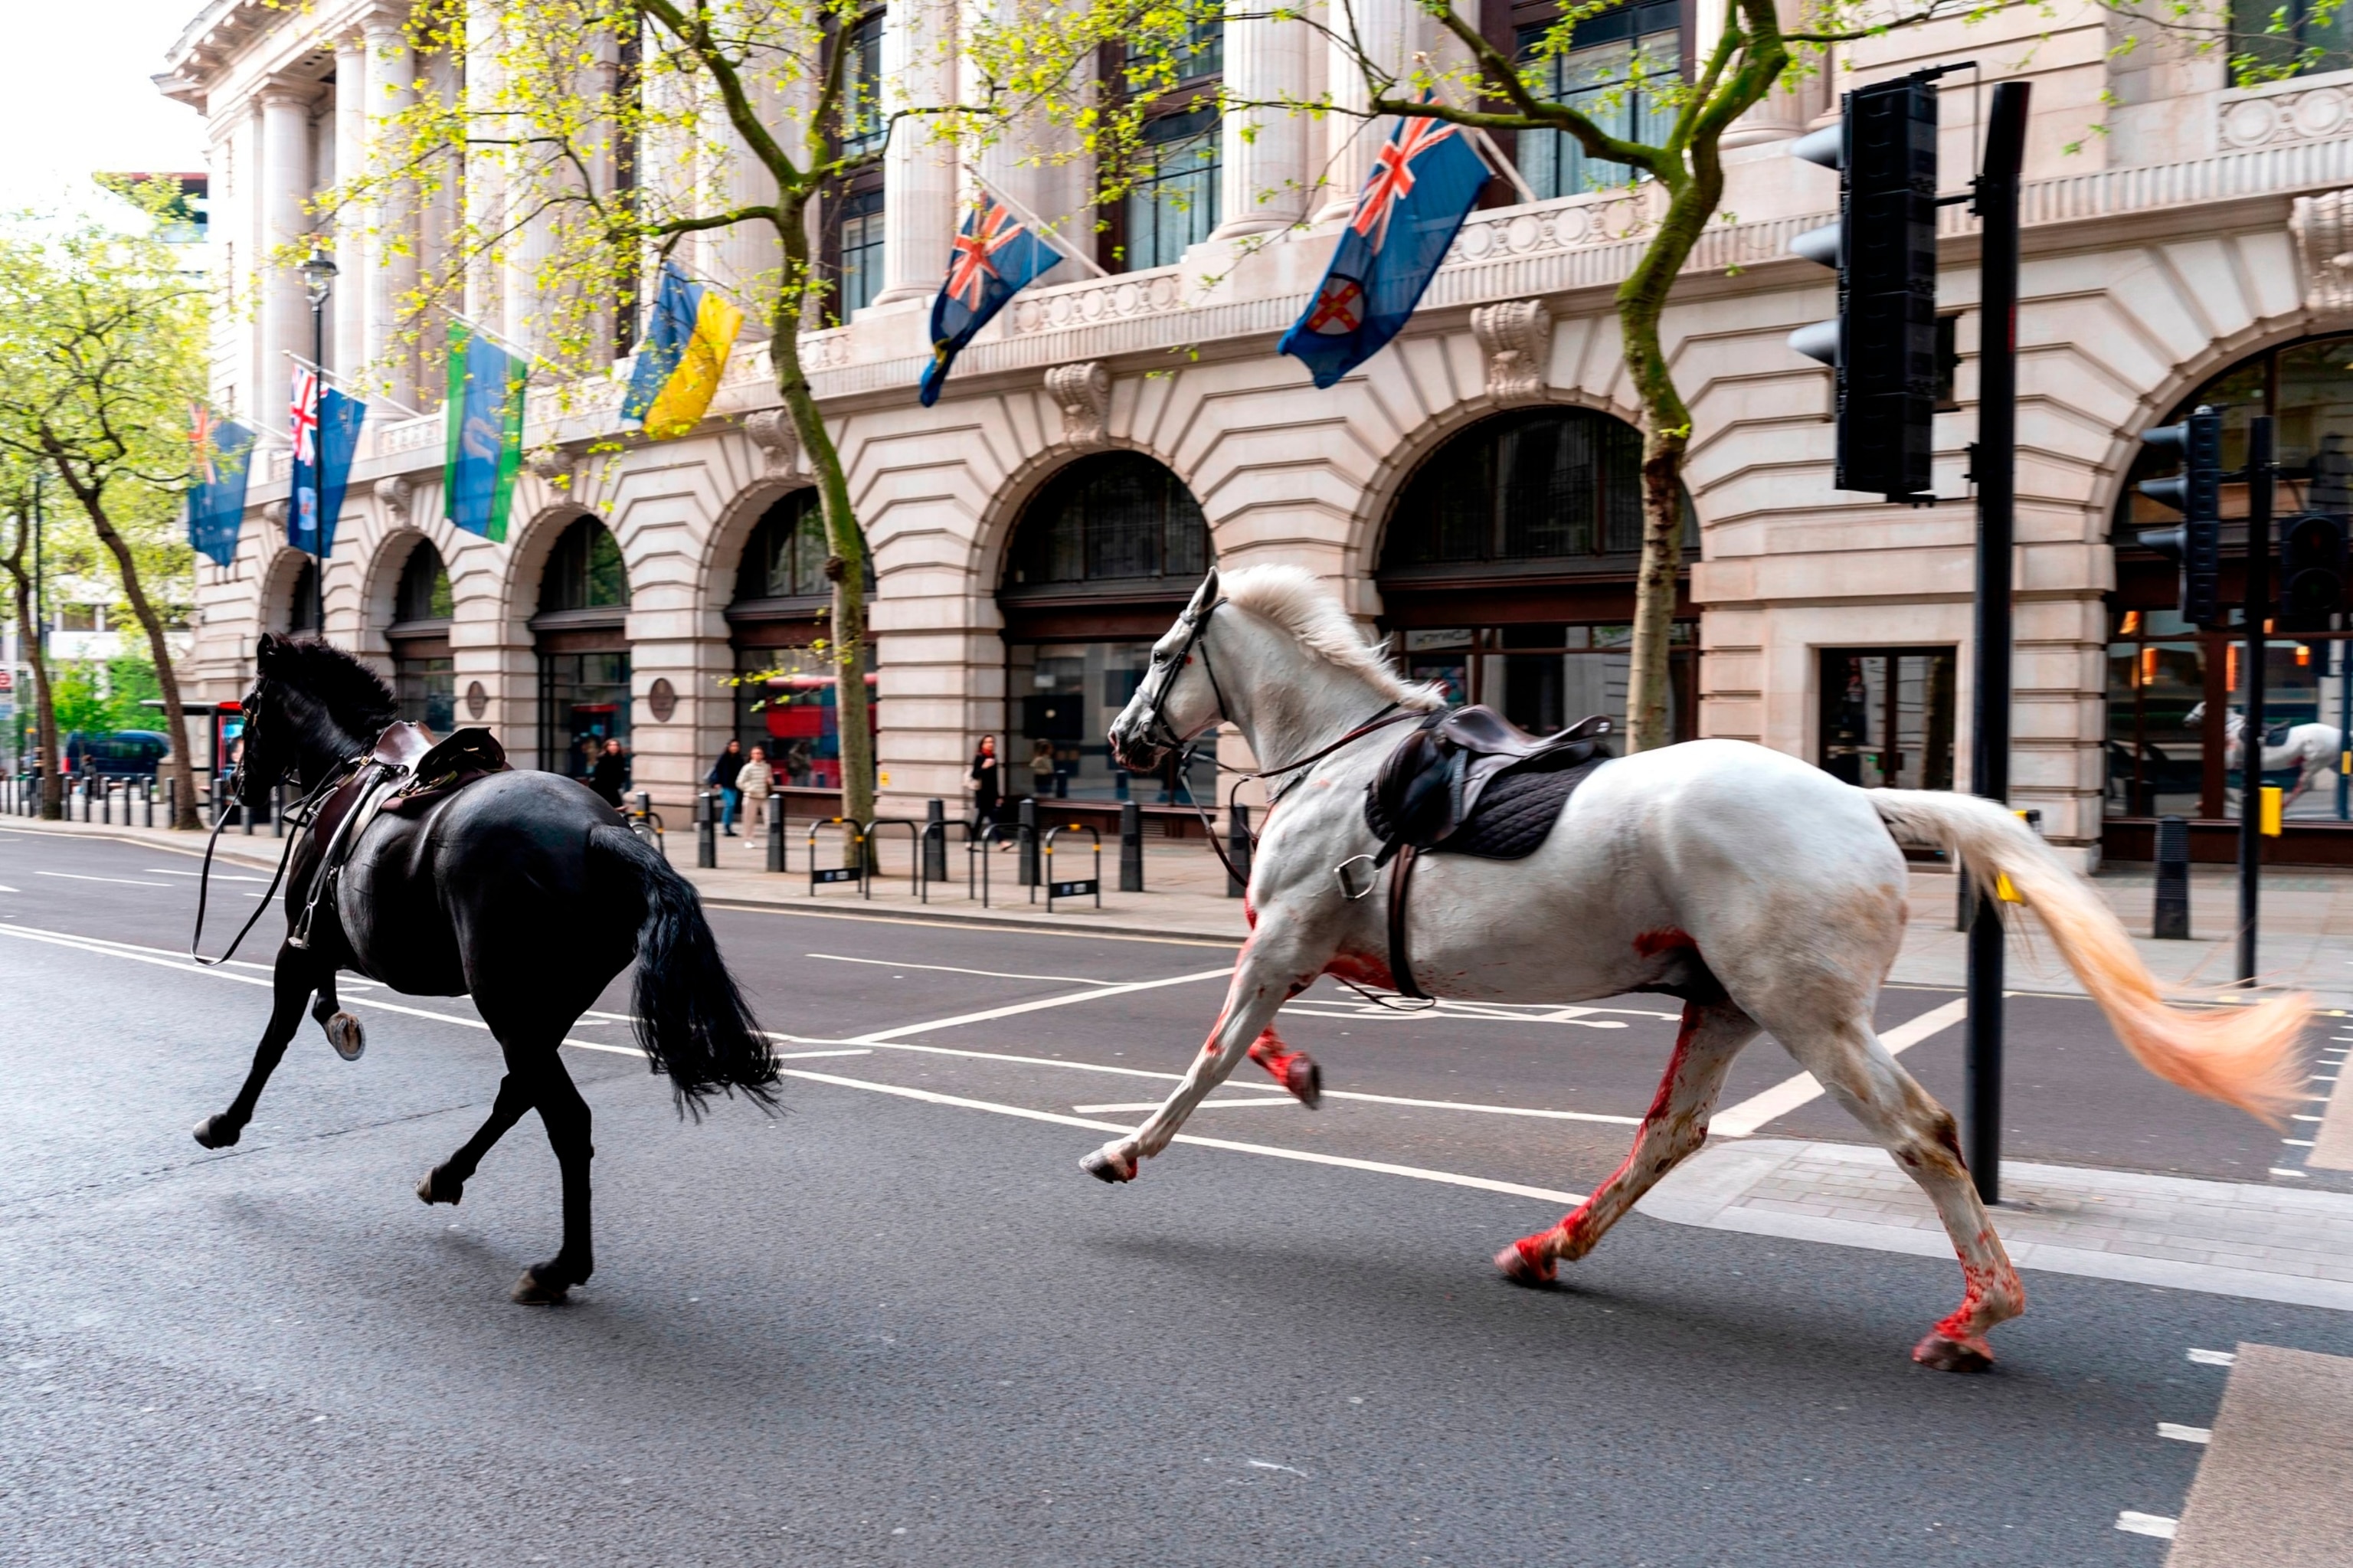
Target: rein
x,y
301,814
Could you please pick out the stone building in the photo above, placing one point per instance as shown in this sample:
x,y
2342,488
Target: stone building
x,y
1471,491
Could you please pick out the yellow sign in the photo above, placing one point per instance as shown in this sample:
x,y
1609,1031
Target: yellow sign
x,y
882,781
2272,811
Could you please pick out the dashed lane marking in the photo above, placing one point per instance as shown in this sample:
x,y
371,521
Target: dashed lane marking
x,y
2156,1525
2213,1358
2182,1434
1155,1105
78,876
1786,1096
952,969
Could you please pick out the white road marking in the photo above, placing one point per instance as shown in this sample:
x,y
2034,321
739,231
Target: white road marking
x,y
2297,1142
1155,1105
1789,1094
884,1036
2284,1171
2213,1358
1307,1157
76,876
2155,1524
952,969
1464,1011
217,877
6,889
2182,1434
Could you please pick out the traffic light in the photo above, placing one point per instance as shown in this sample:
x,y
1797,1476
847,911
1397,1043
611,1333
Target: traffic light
x,y
2197,493
2312,572
1883,246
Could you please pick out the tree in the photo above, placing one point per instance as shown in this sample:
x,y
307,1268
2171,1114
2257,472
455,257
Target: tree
x,y
104,344
560,160
18,501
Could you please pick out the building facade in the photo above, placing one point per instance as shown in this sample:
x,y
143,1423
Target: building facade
x,y
1471,491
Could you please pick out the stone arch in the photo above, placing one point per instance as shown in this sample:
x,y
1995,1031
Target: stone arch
x,y
723,542
527,554
380,580
283,569
2186,377
1002,513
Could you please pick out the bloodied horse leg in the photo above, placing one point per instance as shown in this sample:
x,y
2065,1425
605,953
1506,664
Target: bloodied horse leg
x,y
1674,1127
344,1032
1273,969
1294,1070
294,980
445,1183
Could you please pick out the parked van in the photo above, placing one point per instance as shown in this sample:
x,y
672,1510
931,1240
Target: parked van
x,y
125,754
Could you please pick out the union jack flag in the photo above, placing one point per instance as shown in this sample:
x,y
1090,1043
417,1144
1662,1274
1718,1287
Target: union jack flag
x,y
302,418
972,264
200,436
1393,178
992,257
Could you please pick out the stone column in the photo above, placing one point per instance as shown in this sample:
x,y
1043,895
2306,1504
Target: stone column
x,y
1783,113
1263,154
1385,30
743,259
346,312
919,172
396,240
486,167
282,184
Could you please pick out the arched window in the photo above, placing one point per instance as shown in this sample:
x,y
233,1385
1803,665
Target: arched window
x,y
584,570
302,600
1507,568
2162,670
584,648
423,670
785,691
1102,560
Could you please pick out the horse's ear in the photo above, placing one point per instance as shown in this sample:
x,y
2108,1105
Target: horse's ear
x,y
1205,596
265,652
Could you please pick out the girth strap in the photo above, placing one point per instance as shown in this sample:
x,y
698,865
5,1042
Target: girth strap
x,y
1401,961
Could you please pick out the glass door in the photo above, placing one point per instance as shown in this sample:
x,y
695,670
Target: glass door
x,y
1887,717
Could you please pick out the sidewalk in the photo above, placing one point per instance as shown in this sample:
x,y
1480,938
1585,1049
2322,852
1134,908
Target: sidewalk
x,y
2307,912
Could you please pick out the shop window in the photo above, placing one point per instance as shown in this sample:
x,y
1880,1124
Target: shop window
x,y
1887,717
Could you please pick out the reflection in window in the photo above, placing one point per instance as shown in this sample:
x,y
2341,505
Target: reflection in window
x,y
1547,484
2269,41
1174,201
1545,677
584,570
1116,517
1887,717
2307,387
861,251
424,590
785,557
1616,71
863,126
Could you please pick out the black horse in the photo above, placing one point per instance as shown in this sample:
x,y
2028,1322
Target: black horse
x,y
523,890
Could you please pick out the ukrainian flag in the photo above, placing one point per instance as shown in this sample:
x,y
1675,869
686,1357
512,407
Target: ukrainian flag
x,y
679,362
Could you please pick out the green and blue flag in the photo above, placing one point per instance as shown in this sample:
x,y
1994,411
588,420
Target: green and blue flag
x,y
484,423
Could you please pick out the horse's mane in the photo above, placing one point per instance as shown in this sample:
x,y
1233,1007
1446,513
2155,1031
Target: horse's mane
x,y
355,697
1296,600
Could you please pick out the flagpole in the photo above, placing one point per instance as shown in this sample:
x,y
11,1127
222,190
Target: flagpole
x,y
504,342
1062,246
1493,155
351,386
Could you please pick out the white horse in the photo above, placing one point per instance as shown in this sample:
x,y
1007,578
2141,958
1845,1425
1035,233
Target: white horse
x,y
2311,749
1763,893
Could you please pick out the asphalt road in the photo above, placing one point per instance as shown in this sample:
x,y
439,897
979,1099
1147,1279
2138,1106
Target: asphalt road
x,y
882,1328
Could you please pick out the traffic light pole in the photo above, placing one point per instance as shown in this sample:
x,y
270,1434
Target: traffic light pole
x,y
2250,735
1993,466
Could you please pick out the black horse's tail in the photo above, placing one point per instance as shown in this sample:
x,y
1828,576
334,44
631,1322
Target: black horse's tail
x,y
691,1021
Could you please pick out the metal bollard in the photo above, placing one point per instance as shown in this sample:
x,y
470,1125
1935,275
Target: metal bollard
x,y
706,829
1238,851
278,811
935,841
1130,847
244,814
105,800
147,801
172,798
776,809
1027,851
2172,915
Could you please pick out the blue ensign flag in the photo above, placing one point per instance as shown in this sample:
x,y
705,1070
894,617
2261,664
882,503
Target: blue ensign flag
x,y
1422,188
216,499
323,467
995,258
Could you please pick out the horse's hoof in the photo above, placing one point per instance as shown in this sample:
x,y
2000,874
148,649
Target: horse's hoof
x,y
534,1289
1948,1354
1522,1266
440,1187
344,1032
1304,1079
217,1132
1103,1167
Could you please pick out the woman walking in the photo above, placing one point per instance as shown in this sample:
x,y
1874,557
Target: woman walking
x,y
987,787
721,777
756,783
610,777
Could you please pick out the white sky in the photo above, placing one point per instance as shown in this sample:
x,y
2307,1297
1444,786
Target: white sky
x,y
75,98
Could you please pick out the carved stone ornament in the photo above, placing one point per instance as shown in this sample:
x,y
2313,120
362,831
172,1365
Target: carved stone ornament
x,y
661,700
1084,393
2322,226
1516,338
478,700
274,515
771,431
555,465
396,490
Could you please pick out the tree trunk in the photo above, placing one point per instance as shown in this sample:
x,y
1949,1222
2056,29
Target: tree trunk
x,y
44,713
175,719
846,566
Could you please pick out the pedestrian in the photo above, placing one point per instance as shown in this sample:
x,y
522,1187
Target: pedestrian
x,y
796,763
611,775
987,791
722,775
1041,768
756,783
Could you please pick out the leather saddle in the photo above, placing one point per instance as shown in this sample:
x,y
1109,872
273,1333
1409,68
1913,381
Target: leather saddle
x,y
405,770
1431,786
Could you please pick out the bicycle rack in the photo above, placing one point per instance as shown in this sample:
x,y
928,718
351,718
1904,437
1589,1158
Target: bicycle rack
x,y
819,874
1078,889
978,849
914,848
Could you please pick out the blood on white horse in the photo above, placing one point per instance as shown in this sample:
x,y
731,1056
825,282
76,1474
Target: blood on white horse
x,y
1762,892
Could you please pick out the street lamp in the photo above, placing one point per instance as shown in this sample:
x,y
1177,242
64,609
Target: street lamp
x,y
318,271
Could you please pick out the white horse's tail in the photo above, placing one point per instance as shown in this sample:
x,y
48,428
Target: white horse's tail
x,y
2242,1056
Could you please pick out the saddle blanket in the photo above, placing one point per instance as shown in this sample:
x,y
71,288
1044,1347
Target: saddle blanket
x,y
1514,813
